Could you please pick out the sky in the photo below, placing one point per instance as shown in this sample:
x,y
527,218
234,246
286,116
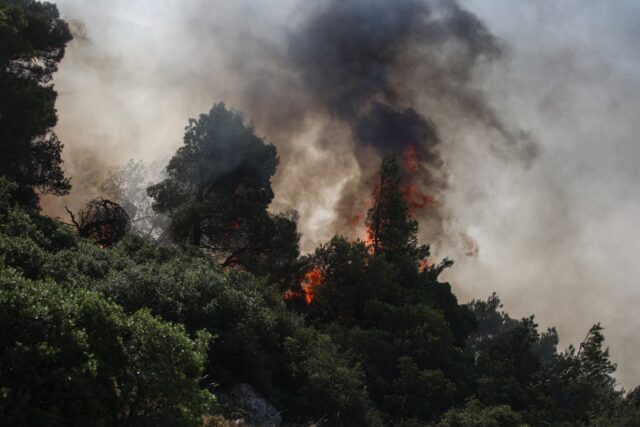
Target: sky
x,y
554,222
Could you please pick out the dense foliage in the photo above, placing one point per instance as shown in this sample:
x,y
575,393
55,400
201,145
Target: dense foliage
x,y
149,329
70,357
405,327
218,190
255,338
32,43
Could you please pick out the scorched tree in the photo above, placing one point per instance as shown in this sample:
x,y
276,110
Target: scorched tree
x,y
217,192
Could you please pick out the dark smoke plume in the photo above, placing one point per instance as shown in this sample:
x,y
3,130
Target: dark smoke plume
x,y
377,68
342,84
391,131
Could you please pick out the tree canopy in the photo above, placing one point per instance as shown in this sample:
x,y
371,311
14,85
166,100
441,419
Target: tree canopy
x,y
391,230
405,326
218,190
70,357
255,339
32,43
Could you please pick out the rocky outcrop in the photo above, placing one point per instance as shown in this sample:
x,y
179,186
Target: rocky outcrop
x,y
245,406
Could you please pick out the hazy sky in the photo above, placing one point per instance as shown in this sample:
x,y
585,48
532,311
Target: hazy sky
x,y
557,236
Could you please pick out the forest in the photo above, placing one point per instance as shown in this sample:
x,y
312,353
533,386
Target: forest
x,y
156,307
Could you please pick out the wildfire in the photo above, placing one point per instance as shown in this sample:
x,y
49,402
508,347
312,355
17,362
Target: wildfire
x,y
356,219
309,284
415,198
411,159
425,264
368,240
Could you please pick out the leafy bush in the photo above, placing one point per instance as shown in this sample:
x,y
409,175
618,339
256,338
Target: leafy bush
x,y
257,340
69,357
475,414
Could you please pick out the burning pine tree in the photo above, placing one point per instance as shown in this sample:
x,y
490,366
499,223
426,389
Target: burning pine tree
x,y
390,228
391,235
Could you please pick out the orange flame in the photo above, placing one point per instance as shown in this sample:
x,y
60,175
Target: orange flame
x,y
425,264
411,159
368,240
356,219
309,284
415,198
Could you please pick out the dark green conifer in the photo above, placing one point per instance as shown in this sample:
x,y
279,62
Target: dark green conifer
x,y
32,43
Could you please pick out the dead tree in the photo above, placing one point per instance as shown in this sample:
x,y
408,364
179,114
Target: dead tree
x,y
102,220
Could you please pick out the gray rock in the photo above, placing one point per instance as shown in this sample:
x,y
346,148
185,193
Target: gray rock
x,y
247,404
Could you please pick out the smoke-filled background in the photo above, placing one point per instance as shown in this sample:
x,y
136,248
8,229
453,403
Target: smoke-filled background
x,y
515,123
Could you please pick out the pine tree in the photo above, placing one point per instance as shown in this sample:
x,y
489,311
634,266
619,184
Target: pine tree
x,y
594,363
32,43
218,190
391,230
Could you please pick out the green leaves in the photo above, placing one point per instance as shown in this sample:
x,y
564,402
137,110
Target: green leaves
x,y
163,366
217,193
32,43
71,357
475,414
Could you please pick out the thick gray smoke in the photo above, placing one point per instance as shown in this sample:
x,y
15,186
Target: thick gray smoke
x,y
352,52
354,58
445,86
378,70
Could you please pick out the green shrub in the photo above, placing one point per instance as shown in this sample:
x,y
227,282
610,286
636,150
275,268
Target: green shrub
x,y
475,414
258,340
69,357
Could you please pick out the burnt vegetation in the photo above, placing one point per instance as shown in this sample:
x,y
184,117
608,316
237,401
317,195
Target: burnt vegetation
x,y
150,306
102,220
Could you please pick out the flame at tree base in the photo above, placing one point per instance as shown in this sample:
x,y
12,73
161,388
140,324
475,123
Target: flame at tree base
x,y
309,284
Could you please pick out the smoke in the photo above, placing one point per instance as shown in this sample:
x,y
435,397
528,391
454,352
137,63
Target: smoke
x,y
409,136
545,217
560,239
337,87
374,69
